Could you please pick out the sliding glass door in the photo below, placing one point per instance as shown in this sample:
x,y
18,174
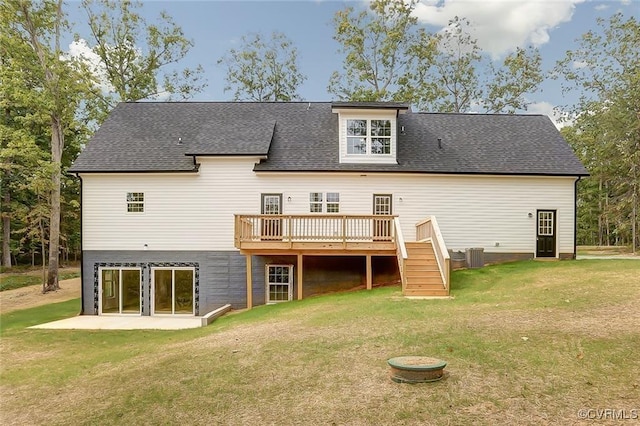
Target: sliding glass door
x,y
172,290
120,290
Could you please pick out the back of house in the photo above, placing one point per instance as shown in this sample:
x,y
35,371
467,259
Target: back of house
x,y
187,207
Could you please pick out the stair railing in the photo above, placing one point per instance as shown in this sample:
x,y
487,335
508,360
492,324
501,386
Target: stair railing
x,y
428,230
401,252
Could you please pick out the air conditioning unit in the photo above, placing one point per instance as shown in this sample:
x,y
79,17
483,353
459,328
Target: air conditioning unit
x,y
475,257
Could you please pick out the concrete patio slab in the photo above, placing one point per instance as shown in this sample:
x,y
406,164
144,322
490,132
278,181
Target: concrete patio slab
x,y
105,322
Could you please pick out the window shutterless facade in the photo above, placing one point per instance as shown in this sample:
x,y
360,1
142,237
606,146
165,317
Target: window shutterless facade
x,y
135,202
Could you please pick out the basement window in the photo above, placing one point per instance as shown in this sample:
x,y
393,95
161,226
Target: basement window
x,y
279,283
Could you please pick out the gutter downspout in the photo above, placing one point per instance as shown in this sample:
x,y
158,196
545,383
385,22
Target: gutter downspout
x,y
575,217
81,250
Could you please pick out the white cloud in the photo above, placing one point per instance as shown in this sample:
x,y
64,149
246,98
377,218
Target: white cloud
x,y
80,50
501,25
576,65
560,118
602,7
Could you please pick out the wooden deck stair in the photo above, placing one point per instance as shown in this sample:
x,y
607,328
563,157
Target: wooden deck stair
x,y
422,273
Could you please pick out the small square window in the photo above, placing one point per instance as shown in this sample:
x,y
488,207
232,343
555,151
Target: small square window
x,y
135,202
357,127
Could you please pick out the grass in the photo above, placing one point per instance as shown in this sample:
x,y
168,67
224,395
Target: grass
x,y
604,250
12,281
526,343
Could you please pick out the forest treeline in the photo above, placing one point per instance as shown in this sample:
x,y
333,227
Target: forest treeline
x,y
51,100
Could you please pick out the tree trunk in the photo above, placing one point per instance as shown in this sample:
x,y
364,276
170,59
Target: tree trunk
x,y
634,219
52,80
57,142
600,233
6,231
42,246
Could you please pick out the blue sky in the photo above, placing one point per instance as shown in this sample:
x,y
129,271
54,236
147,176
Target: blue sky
x,y
500,25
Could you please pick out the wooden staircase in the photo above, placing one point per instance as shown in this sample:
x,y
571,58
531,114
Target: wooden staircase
x,y
423,277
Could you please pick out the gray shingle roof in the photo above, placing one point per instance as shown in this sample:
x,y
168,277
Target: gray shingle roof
x,y
302,136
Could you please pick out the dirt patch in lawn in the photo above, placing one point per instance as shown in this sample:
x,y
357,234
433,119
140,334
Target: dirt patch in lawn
x,y
600,322
32,296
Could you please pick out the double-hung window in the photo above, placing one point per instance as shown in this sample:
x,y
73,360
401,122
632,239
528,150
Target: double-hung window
x,y
324,202
315,202
135,202
368,137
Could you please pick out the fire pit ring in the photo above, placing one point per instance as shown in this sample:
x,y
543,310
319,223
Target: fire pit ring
x,y
416,369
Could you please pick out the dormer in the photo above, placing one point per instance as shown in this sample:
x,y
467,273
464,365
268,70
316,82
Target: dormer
x,y
368,131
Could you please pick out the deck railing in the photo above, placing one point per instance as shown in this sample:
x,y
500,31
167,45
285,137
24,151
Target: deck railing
x,y
428,229
314,228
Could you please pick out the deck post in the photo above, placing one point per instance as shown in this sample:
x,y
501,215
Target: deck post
x,y
300,274
369,278
249,283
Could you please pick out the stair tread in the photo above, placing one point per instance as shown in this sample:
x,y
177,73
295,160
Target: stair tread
x,y
421,270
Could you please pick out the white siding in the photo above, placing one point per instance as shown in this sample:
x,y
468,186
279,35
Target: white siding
x,y
195,211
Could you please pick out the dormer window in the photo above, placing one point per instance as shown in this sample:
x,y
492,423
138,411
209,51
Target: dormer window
x,y
367,131
369,137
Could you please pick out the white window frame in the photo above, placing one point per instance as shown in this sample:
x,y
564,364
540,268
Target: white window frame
x,y
333,202
368,138
101,292
546,221
316,202
323,202
268,283
135,202
173,270
344,115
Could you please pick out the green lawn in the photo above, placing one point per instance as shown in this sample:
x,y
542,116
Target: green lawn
x,y
526,343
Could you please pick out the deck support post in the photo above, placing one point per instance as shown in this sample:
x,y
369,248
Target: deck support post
x,y
300,275
249,283
369,274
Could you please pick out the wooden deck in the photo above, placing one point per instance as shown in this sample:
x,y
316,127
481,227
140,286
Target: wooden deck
x,y
317,233
423,264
